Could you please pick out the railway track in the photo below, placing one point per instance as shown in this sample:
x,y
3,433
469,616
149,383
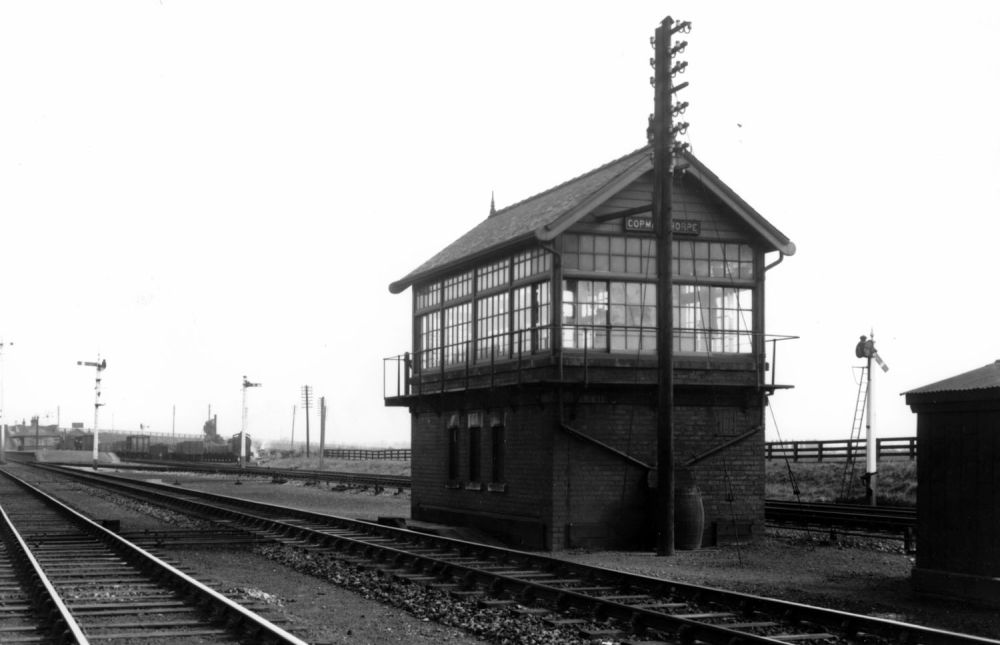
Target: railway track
x,y
894,521
897,522
352,479
849,519
568,593
885,519
67,579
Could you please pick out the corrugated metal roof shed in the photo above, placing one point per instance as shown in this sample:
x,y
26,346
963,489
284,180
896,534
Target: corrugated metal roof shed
x,y
983,378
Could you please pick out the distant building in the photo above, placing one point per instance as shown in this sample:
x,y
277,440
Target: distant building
x,y
31,437
532,381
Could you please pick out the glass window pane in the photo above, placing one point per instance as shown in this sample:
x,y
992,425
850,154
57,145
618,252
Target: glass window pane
x,y
618,292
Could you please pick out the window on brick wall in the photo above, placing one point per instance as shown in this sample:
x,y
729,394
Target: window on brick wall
x,y
451,435
475,446
475,454
498,454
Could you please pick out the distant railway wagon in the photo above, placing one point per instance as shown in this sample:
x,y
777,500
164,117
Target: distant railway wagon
x,y
192,448
234,445
188,450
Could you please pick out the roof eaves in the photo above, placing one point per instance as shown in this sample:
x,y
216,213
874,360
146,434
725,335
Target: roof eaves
x,y
404,283
550,231
729,197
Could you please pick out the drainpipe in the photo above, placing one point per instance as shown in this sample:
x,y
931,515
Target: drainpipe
x,y
781,258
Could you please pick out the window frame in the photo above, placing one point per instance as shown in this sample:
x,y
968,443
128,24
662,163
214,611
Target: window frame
x,y
456,304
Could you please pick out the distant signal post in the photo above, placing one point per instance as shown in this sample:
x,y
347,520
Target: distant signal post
x,y
866,349
243,426
99,366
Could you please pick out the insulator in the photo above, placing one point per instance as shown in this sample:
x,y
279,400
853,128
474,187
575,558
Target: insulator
x,y
678,68
652,81
683,27
678,48
680,128
680,108
652,62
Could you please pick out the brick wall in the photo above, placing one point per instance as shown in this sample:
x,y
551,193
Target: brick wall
x,y
516,508
560,490
602,496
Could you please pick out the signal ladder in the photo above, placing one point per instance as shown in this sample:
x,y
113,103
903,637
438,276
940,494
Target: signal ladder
x,y
860,406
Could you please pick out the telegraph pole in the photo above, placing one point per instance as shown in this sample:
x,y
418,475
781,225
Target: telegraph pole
x,y
3,428
322,430
307,393
663,133
99,366
243,427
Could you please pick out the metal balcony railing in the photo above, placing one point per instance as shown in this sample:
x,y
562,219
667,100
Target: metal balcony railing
x,y
455,366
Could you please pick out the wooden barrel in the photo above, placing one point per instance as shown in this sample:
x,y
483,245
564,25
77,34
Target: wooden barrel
x,y
689,518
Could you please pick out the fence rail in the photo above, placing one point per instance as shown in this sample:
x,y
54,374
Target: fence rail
x,y
391,454
843,450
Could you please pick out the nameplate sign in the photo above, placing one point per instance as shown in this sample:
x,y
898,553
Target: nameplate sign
x,y
644,224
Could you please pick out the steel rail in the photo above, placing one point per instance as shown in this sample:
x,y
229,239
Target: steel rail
x,y
59,621
362,479
500,568
901,520
239,618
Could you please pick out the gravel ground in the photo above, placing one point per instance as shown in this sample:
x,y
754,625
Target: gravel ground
x,y
325,602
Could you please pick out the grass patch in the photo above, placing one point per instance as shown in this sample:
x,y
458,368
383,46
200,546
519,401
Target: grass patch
x,y
361,466
828,482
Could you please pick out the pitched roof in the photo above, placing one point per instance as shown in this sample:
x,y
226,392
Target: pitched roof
x,y
547,214
984,378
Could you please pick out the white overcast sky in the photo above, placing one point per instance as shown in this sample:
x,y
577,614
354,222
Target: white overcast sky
x,y
200,190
